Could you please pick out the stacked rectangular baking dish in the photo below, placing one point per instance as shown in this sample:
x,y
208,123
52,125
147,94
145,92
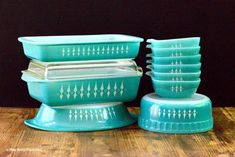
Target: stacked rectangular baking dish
x,y
82,81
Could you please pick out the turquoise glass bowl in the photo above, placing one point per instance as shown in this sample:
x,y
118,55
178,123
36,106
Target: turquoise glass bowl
x,y
175,89
82,118
81,47
175,43
176,76
174,52
187,68
179,116
195,59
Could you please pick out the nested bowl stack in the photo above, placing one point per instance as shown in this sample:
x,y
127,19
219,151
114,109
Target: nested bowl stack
x,y
175,66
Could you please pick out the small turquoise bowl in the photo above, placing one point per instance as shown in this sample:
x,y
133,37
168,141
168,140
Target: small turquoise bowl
x,y
177,116
175,43
90,117
195,59
174,76
174,52
187,68
175,89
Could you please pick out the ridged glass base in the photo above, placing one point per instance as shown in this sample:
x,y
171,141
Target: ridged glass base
x,y
186,115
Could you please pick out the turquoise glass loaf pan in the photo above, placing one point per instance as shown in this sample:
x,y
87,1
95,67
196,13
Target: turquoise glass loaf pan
x,y
186,68
173,52
82,117
195,59
80,47
174,76
190,115
175,43
64,84
175,89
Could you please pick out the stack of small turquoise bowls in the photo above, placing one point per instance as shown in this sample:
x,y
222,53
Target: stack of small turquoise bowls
x,y
175,68
175,107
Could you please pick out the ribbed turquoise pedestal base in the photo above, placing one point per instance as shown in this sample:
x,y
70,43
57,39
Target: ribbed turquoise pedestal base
x,y
90,117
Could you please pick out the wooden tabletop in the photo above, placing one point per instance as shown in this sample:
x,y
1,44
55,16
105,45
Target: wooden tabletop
x,y
16,139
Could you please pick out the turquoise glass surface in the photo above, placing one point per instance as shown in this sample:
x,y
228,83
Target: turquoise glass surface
x,y
175,89
175,43
80,47
180,60
189,68
90,117
83,91
176,76
188,115
174,52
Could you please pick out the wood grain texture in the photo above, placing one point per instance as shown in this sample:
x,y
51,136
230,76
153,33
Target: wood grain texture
x,y
18,140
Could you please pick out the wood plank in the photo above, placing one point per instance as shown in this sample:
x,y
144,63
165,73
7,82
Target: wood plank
x,y
18,140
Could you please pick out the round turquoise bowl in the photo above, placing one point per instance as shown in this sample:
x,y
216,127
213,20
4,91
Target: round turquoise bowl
x,y
187,68
90,117
175,89
174,52
176,76
195,59
178,116
175,43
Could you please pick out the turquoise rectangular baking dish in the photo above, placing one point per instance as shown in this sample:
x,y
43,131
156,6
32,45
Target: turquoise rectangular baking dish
x,y
81,47
71,86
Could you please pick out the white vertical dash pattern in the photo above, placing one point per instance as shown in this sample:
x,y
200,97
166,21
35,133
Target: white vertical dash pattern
x,y
108,89
83,51
73,51
103,49
194,113
115,89
88,90
79,51
61,92
88,50
117,49
75,91
102,89
81,91
63,52
91,89
122,49
95,90
81,115
68,51
112,50
93,50
108,49
75,115
121,88
68,92
127,48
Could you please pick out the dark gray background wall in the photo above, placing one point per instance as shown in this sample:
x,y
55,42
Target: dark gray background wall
x,y
213,21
